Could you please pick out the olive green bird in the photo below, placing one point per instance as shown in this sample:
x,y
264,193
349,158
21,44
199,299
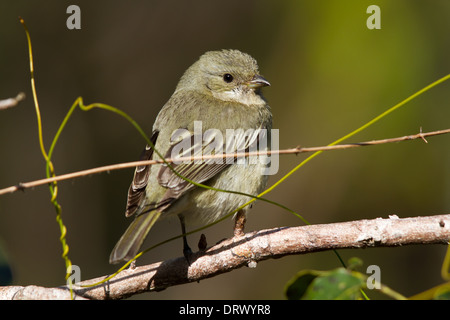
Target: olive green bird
x,y
221,91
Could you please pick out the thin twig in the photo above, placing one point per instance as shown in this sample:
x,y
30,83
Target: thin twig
x,y
11,102
25,185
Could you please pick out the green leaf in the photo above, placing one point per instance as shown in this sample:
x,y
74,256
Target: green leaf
x,y
298,285
337,284
442,293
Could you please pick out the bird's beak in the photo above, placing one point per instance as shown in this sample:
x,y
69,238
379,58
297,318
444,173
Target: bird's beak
x,y
257,82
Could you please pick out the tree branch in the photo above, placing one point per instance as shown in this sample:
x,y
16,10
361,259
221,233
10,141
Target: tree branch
x,y
296,150
250,249
11,102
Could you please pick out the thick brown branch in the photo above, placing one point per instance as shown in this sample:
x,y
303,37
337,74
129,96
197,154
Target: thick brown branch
x,y
257,246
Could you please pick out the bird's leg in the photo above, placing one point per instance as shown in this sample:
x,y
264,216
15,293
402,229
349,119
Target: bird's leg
x,y
239,223
186,249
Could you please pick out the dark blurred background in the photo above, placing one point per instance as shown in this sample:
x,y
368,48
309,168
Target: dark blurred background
x,y
329,75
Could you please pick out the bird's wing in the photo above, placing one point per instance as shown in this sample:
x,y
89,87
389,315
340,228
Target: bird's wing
x,y
200,171
136,192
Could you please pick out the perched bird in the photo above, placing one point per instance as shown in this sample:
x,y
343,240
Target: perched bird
x,y
220,93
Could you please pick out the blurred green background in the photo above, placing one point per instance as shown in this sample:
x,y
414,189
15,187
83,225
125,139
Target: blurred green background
x,y
329,75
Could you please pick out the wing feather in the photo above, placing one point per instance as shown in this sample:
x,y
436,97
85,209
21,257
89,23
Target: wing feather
x,y
136,192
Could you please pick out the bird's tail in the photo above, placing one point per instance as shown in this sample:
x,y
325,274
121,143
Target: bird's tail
x,y
130,242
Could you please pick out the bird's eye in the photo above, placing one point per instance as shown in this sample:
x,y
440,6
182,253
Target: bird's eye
x,y
227,77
